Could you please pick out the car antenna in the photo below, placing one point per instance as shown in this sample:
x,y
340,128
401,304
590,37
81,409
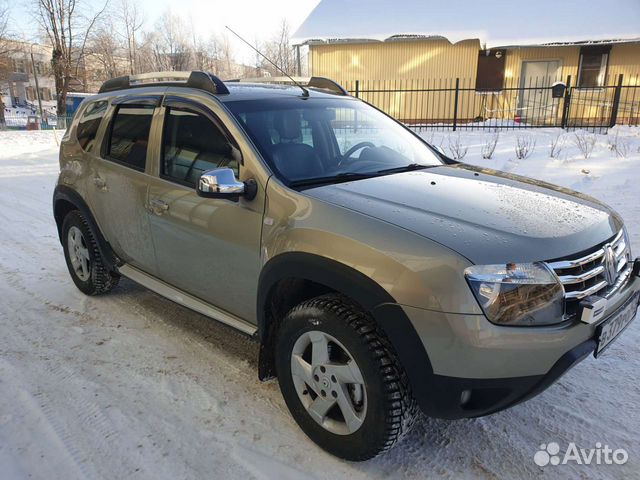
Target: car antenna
x,y
305,92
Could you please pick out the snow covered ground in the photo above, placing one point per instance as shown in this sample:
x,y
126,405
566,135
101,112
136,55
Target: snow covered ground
x,y
130,385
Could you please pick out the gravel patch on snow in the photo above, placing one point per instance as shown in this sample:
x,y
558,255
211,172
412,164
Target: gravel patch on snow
x,y
132,385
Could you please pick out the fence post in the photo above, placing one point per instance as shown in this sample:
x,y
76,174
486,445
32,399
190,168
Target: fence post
x,y
357,89
455,105
616,102
566,104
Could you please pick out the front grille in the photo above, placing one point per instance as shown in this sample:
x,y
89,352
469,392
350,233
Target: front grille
x,y
600,272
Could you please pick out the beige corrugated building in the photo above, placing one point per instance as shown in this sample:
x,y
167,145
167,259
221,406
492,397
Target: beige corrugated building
x,y
435,58
486,77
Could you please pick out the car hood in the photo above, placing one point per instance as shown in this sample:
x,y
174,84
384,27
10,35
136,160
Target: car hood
x,y
485,215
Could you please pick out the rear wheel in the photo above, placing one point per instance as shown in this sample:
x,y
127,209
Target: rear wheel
x,y
84,261
341,379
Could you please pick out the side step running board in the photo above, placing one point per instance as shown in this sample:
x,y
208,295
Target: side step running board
x,y
185,299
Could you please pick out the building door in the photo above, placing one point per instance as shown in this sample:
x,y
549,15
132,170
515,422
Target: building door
x,y
535,104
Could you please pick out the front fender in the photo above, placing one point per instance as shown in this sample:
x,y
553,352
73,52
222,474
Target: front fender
x,y
412,270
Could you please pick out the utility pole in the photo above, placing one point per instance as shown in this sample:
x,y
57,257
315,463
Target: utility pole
x,y
35,77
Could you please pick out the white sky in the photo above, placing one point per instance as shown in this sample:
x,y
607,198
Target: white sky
x,y
253,19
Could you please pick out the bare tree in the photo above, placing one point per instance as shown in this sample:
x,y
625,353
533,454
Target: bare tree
x,y
5,50
131,20
4,29
68,29
280,51
106,52
169,43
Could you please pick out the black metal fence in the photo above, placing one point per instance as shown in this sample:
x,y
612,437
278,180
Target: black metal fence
x,y
521,103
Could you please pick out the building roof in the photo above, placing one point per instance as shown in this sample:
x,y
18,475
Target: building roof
x,y
496,23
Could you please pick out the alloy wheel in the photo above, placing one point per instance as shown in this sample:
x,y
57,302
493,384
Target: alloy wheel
x,y
78,253
329,382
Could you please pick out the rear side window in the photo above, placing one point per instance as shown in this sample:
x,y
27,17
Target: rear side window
x,y
89,124
130,135
192,144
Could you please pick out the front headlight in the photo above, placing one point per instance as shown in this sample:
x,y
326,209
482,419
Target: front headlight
x,y
522,294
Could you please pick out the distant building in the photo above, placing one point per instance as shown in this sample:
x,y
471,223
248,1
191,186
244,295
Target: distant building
x,y
17,82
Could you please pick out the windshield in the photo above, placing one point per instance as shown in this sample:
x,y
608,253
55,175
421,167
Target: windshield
x,y
323,139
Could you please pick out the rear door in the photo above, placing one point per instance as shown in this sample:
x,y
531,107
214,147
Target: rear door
x,y
120,181
207,247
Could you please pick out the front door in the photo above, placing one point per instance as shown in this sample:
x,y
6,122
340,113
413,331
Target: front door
x,y
207,247
536,104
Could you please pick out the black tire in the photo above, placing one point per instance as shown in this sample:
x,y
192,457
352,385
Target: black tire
x,y
100,279
391,409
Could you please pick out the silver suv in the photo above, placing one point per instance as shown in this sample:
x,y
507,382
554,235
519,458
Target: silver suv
x,y
377,275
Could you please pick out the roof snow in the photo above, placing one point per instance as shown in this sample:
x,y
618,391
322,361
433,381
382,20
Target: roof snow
x,y
495,23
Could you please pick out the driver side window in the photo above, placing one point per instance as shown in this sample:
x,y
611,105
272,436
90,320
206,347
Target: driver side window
x,y
192,144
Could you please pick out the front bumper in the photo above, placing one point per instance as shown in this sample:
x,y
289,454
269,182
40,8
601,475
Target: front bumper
x,y
478,368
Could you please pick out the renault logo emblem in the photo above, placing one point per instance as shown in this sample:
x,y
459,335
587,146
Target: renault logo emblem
x,y
610,270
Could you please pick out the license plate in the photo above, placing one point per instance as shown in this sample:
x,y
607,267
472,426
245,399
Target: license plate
x,y
610,329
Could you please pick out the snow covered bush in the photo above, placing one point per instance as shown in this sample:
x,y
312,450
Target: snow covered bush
x,y
619,146
612,141
525,145
585,143
622,148
556,146
489,145
457,149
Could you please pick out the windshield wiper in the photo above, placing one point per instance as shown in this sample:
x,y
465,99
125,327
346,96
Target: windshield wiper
x,y
406,168
338,178
349,176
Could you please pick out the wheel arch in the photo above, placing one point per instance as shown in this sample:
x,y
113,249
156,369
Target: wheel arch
x,y
299,276
65,200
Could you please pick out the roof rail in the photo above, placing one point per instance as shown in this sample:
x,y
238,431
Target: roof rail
x,y
327,84
197,79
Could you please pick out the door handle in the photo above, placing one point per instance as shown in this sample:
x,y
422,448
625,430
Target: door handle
x,y
100,183
158,206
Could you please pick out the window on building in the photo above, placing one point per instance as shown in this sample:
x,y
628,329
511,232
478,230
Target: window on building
x,y
593,66
45,93
40,68
31,93
193,144
19,65
490,75
89,124
130,135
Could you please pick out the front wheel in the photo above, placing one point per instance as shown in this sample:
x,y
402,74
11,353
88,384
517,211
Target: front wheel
x,y
341,379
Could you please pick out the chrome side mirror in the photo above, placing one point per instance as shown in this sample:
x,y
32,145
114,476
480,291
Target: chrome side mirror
x,y
222,183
